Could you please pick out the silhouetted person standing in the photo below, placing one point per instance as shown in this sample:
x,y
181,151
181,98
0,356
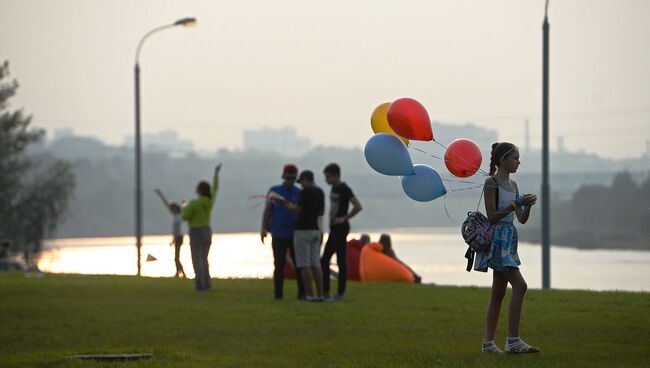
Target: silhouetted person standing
x,y
177,232
197,214
340,198
281,223
308,235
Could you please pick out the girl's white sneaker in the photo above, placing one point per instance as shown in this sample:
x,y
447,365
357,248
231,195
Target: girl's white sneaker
x,y
490,347
517,345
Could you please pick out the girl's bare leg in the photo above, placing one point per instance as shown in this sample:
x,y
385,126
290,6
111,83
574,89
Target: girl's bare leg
x,y
499,286
519,288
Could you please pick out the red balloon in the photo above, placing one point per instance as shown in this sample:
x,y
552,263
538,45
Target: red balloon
x,y
463,158
409,119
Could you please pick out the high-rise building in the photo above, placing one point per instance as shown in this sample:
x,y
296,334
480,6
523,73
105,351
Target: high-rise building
x,y
560,144
483,137
284,141
164,141
527,136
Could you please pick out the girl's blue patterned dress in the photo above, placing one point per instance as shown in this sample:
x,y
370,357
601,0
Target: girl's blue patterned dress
x,y
502,255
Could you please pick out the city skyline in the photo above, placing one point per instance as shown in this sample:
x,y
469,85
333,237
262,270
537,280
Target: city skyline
x,y
172,142
249,66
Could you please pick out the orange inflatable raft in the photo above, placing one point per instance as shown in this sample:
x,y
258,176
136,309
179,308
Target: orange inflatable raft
x,y
374,265
367,263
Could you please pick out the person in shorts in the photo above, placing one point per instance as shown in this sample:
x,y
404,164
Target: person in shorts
x,y
307,236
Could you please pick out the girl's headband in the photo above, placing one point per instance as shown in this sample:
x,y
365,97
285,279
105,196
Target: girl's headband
x,y
508,151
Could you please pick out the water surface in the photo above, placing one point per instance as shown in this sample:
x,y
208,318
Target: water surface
x,y
436,254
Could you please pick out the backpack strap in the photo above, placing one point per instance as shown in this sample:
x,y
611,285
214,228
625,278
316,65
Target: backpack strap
x,y
483,191
470,258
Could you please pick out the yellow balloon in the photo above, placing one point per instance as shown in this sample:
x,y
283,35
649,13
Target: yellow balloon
x,y
379,121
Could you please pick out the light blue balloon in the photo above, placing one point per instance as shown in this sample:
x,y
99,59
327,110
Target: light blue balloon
x,y
388,155
425,185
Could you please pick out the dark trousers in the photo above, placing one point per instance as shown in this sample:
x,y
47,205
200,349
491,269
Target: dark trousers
x,y
178,242
280,246
200,242
336,243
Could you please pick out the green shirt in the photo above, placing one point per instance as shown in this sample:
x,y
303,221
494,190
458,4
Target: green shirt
x,y
197,212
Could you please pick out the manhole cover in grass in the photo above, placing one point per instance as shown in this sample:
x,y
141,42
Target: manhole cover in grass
x,y
113,357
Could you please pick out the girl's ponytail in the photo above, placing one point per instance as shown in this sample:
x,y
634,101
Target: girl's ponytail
x,y
493,165
499,152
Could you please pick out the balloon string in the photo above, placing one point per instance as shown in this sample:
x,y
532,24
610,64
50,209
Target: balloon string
x,y
481,197
462,166
426,153
462,158
462,189
434,156
444,198
460,181
450,180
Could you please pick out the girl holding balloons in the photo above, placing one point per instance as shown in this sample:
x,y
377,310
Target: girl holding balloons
x,y
406,119
502,203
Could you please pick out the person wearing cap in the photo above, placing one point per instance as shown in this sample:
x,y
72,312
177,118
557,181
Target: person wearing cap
x,y
308,236
340,198
280,222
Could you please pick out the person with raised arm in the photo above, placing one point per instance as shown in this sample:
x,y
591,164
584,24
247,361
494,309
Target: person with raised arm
x,y
197,214
177,232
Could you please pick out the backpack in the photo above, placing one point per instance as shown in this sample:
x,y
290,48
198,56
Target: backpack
x,y
477,231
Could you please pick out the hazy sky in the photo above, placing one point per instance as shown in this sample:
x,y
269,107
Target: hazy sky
x,y
323,66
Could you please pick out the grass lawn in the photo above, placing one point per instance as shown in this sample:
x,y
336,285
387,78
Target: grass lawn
x,y
45,320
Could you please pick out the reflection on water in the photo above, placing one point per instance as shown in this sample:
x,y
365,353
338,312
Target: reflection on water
x,y
231,255
436,254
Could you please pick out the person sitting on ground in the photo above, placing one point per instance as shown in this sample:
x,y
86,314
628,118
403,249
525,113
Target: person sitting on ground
x,y
388,250
353,255
5,244
364,239
7,262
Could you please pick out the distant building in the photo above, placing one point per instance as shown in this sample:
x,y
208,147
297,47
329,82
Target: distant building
x,y
284,141
483,137
164,141
71,147
560,145
527,136
445,133
62,133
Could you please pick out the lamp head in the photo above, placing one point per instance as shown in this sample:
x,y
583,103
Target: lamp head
x,y
186,22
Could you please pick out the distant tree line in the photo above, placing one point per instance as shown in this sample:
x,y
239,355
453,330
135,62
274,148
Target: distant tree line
x,y
80,187
34,188
601,216
103,199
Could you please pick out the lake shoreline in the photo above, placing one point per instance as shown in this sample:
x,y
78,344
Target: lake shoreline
x,y
533,238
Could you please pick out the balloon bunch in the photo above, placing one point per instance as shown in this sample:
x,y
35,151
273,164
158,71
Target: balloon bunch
x,y
405,119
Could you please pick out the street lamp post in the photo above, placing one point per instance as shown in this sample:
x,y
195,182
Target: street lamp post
x,y
546,189
187,22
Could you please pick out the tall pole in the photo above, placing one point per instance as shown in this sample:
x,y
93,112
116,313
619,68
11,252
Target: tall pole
x,y
138,169
186,22
546,189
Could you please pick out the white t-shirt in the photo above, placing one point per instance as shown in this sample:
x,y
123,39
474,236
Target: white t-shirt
x,y
506,196
176,225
